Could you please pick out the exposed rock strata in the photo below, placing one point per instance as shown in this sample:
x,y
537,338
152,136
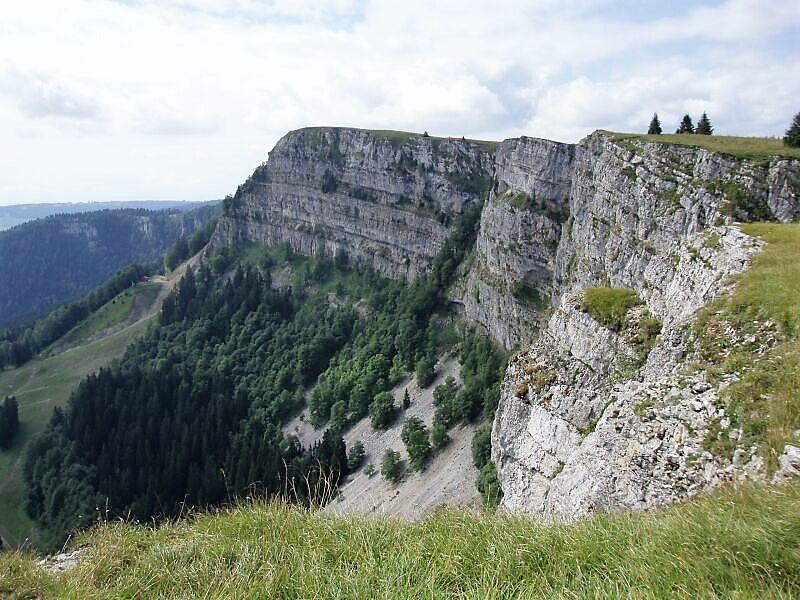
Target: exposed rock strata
x,y
605,212
389,199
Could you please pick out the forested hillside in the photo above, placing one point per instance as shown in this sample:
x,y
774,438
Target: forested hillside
x,y
51,261
193,412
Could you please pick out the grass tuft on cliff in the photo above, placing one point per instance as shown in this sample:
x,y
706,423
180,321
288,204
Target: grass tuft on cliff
x,y
739,542
609,306
754,333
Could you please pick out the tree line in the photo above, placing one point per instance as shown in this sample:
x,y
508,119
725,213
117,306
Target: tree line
x,y
791,138
686,125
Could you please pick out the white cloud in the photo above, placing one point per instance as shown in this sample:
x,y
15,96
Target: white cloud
x,y
182,98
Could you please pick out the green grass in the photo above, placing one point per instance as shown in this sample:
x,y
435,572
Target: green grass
x,y
754,148
765,401
609,306
112,313
736,543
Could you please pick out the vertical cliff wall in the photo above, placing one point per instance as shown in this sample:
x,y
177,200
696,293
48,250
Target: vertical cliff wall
x,y
590,418
510,284
388,198
561,218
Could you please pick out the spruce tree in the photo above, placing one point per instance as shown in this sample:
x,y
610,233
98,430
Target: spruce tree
x,y
686,125
792,137
704,126
655,126
9,422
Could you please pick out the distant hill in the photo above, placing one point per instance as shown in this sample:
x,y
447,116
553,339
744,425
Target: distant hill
x,y
50,261
17,214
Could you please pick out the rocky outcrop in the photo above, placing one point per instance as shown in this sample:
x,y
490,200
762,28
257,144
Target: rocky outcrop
x,y
585,423
510,283
386,198
561,218
603,430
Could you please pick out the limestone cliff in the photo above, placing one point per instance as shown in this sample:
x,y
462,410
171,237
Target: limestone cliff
x,y
588,419
387,198
561,218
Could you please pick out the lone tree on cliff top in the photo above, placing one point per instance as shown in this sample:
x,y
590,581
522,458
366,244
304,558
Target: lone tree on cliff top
x,y
686,125
704,126
655,126
792,137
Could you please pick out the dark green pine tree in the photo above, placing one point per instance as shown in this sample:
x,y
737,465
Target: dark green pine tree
x,y
704,126
9,422
686,125
792,137
655,126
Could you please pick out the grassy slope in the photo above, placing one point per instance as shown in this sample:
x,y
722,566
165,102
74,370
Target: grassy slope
x,y
742,543
44,383
766,398
754,148
112,313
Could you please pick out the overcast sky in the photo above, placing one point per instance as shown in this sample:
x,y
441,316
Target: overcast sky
x,y
181,99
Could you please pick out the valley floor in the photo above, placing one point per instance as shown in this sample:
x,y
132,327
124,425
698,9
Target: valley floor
x,y
738,542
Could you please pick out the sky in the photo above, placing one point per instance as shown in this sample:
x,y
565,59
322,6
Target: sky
x,y
104,100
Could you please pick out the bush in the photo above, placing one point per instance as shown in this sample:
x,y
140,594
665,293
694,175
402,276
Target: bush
x,y
356,456
489,486
439,437
425,371
418,446
382,411
482,446
444,399
391,466
609,306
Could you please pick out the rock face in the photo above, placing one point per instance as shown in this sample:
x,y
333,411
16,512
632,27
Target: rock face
x,y
575,432
511,281
587,420
561,218
386,198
